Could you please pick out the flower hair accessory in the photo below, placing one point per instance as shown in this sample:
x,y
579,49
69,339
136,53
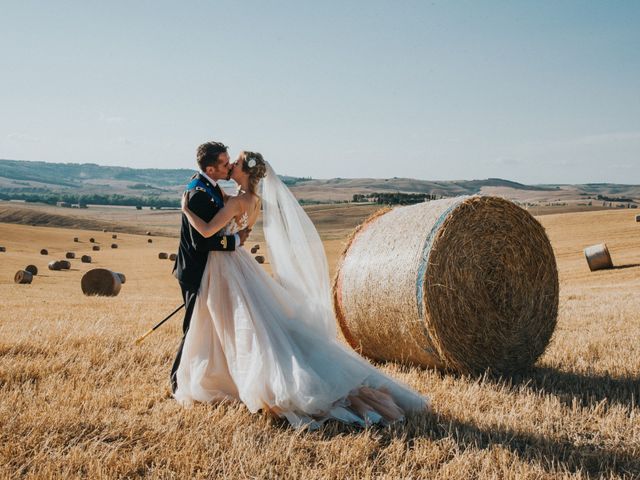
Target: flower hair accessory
x,y
251,163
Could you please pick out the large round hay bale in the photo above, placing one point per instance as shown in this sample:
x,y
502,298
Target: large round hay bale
x,y
54,265
173,256
65,264
163,255
76,239
96,248
104,230
100,281
464,284
32,269
114,245
22,276
637,218
254,250
122,277
92,240
598,257
148,233
3,249
149,240
70,255
259,259
114,236
44,251
85,259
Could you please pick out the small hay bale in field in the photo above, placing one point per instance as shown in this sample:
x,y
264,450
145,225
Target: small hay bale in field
x,y
463,284
104,230
85,259
65,264
114,236
114,245
149,240
44,251
96,248
173,256
163,255
70,255
122,277
257,247
100,281
598,257
259,259
254,250
92,240
54,265
3,249
637,218
32,269
148,233
76,239
22,276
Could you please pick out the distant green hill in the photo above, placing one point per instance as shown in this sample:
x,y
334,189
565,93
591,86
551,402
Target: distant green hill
x,y
91,183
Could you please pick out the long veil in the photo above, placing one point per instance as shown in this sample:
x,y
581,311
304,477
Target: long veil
x,y
296,253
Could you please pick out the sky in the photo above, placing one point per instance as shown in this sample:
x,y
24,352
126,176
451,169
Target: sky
x,y
535,92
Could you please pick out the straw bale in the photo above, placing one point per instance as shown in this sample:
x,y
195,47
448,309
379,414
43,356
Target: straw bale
x,y
85,259
100,281
76,239
149,240
148,233
114,236
3,249
637,218
32,269
163,255
598,257
92,240
259,259
114,245
44,251
22,276
65,264
70,255
254,250
54,265
96,248
464,284
173,256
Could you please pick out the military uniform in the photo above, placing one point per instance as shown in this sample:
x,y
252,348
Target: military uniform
x,y
205,200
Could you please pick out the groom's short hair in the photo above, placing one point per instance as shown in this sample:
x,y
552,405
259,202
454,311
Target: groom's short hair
x,y
208,154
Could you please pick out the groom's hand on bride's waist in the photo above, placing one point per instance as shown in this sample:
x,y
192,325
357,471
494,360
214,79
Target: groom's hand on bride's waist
x,y
244,234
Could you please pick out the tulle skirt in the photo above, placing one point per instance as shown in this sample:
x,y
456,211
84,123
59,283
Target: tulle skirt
x,y
246,343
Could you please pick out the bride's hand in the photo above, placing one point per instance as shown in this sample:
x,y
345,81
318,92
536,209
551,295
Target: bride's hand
x,y
185,202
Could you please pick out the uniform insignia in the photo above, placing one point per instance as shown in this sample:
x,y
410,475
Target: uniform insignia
x,y
200,189
223,242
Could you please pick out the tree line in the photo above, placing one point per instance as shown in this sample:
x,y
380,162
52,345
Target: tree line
x,y
395,198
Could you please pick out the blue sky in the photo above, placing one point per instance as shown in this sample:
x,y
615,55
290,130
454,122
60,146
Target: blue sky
x,y
537,92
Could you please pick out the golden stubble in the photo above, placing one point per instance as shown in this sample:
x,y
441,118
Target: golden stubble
x,y
79,400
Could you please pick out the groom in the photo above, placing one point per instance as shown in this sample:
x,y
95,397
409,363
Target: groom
x,y
205,200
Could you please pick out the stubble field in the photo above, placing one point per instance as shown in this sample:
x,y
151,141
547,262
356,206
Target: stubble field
x,y
79,399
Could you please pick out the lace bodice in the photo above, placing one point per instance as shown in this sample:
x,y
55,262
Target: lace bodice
x,y
234,227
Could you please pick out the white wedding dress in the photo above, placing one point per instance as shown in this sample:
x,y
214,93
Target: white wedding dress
x,y
254,340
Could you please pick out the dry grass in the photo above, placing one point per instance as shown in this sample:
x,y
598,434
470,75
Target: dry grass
x,y
78,399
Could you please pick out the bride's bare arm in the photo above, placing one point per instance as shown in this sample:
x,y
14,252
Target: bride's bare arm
x,y
208,229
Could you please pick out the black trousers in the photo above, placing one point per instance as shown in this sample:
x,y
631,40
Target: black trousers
x,y
189,294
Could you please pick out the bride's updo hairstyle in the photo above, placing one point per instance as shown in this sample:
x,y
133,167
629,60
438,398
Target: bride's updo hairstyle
x,y
256,167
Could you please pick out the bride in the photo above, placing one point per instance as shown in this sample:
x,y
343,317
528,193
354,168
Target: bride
x,y
271,342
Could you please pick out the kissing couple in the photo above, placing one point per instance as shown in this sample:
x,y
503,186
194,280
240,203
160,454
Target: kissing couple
x,y
268,341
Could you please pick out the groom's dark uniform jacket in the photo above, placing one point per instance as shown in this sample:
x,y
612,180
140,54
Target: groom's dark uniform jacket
x,y
205,200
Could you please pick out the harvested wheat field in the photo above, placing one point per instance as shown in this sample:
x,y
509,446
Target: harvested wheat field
x,y
79,399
